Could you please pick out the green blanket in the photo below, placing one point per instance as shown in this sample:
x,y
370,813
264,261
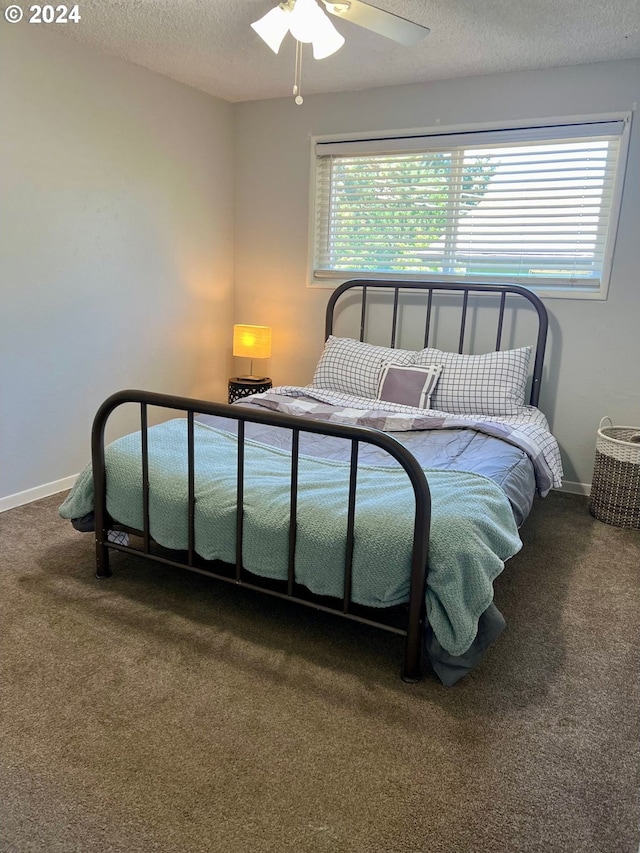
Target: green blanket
x,y
472,533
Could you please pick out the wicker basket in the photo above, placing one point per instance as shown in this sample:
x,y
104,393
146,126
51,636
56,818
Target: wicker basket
x,y
615,490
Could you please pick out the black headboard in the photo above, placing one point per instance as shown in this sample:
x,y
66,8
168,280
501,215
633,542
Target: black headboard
x,y
461,293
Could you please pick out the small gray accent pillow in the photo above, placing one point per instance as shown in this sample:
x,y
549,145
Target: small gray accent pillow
x,y
408,385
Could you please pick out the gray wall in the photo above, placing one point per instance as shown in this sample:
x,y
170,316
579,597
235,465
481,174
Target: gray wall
x,y
116,246
593,365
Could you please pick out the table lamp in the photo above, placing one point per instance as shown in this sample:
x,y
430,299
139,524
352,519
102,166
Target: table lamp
x,y
252,342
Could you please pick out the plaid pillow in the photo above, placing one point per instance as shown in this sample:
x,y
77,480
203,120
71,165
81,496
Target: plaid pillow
x,y
353,367
490,384
409,386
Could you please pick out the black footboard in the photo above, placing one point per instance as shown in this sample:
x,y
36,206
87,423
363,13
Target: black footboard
x,y
412,629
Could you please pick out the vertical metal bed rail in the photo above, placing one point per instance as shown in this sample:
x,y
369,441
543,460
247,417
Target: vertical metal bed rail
x,y
418,586
191,490
240,500
363,312
463,320
503,300
427,325
100,517
293,510
541,344
394,319
144,438
351,517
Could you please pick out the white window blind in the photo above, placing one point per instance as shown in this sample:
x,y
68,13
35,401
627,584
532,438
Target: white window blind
x,y
535,206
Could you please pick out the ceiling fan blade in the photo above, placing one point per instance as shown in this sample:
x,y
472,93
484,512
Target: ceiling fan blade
x,y
381,22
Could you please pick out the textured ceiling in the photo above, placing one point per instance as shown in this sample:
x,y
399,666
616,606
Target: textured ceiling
x,y
210,45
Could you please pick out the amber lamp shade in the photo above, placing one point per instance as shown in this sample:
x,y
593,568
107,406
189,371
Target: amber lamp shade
x,y
252,342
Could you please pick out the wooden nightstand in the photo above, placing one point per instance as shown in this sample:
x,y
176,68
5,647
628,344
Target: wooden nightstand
x,y
240,387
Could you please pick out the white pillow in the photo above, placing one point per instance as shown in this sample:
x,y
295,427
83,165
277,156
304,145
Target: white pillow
x,y
353,367
490,384
410,385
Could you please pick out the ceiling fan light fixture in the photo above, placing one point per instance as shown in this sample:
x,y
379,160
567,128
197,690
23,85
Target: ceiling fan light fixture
x,y
273,27
306,22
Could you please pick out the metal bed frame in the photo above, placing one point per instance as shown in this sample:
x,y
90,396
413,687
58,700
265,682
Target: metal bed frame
x,y
415,615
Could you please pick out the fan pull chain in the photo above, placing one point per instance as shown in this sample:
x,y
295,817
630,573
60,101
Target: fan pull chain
x,y
297,80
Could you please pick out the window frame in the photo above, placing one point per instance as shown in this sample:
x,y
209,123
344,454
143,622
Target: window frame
x,y
328,280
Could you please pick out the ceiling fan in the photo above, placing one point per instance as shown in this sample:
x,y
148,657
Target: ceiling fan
x,y
308,23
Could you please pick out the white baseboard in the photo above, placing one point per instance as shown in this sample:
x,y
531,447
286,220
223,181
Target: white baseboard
x,y
575,488
30,495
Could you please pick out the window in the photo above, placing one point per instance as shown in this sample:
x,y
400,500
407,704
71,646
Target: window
x,y
529,205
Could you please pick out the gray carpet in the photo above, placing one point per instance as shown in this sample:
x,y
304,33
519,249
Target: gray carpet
x,y
162,711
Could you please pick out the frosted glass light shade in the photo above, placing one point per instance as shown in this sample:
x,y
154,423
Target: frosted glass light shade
x,y
326,40
273,27
252,341
303,20
308,23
